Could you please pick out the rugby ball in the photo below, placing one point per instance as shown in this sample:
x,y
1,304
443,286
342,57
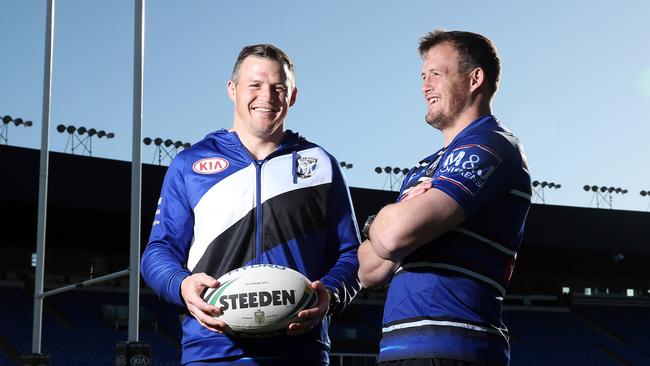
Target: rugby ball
x,y
262,298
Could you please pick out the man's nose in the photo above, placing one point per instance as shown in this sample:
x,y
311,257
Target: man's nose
x,y
426,86
267,92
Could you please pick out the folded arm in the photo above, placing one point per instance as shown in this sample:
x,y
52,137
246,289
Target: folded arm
x,y
401,228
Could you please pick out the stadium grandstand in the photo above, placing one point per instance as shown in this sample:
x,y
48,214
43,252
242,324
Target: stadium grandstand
x,y
580,294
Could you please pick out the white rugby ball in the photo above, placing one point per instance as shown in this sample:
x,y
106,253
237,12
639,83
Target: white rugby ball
x,y
261,298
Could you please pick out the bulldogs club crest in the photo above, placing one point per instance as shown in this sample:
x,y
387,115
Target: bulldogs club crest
x,y
432,168
306,166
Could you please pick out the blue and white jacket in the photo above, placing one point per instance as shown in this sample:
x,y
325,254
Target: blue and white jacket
x,y
445,299
220,209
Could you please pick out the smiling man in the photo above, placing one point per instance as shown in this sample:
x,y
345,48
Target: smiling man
x,y
254,194
449,245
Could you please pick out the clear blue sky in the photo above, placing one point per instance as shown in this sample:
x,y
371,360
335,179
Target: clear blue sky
x,y
575,83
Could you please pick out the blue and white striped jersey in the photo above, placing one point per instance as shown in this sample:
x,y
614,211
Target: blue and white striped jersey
x,y
219,209
445,299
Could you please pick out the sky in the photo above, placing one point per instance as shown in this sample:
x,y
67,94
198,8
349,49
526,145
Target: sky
x,y
575,82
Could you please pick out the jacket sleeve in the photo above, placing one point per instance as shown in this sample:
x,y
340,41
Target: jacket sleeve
x,y
165,257
343,237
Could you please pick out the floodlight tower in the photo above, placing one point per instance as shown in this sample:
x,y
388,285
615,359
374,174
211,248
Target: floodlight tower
x,y
603,194
165,149
82,138
4,127
395,175
538,189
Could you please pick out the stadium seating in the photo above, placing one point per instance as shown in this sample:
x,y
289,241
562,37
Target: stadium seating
x,y
628,327
566,338
75,331
79,330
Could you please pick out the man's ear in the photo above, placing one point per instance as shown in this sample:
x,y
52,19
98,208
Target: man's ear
x,y
476,79
231,87
294,95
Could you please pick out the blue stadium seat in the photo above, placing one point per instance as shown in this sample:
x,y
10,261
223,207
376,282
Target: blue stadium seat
x,y
76,332
562,338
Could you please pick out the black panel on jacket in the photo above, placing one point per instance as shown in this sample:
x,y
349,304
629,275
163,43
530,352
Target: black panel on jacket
x,y
229,250
294,214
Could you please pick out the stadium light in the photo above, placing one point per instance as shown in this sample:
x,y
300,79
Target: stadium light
x,y
395,175
19,121
538,189
82,138
644,194
345,165
603,194
4,128
545,184
165,148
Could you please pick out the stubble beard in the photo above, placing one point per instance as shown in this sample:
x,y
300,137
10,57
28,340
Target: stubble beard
x,y
436,120
441,120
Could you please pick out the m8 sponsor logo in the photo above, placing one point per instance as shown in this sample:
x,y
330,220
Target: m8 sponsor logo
x,y
468,166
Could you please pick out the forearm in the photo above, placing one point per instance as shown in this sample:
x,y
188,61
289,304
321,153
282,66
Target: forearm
x,y
382,236
374,270
401,228
163,274
163,261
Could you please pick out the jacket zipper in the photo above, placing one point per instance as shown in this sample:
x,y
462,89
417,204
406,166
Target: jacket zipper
x,y
258,211
258,194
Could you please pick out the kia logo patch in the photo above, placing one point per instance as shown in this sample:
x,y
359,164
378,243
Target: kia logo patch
x,y
139,360
210,165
